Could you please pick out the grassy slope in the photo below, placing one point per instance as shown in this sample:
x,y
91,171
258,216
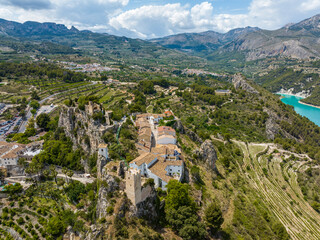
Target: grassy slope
x,y
283,197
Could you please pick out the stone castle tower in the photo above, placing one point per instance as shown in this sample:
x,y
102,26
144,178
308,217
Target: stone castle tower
x,y
133,185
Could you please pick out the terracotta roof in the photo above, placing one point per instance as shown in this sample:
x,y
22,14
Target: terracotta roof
x,y
166,128
13,153
169,146
102,145
5,147
144,158
163,150
168,113
159,169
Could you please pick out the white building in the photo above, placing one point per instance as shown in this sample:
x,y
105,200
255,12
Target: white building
x,y
103,150
9,154
162,164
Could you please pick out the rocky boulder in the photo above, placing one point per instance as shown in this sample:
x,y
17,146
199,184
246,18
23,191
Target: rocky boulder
x,y
178,126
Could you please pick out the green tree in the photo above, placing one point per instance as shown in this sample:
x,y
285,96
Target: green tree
x,y
55,227
35,104
54,173
13,189
213,217
181,212
43,120
34,95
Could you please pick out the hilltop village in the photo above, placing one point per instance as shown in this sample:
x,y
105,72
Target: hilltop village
x,y
160,158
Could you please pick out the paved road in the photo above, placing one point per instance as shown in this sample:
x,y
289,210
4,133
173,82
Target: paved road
x,y
21,179
29,114
25,122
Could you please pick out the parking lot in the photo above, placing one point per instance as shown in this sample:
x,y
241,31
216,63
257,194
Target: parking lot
x,y
45,109
9,126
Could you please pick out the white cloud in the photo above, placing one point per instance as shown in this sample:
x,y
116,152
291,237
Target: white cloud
x,y
310,5
84,14
153,21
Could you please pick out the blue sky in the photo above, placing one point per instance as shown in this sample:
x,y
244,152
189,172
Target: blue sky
x,y
156,18
221,6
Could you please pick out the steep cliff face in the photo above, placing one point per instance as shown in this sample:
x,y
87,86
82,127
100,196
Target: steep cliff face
x,y
207,154
178,126
110,186
148,208
83,130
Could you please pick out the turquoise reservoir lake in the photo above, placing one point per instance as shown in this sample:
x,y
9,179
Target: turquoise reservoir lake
x,y
310,112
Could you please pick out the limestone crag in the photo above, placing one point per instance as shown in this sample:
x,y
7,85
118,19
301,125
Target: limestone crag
x,y
109,185
148,208
240,83
95,232
207,154
178,126
272,128
101,162
83,130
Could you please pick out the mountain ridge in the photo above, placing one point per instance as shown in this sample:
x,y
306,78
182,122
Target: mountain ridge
x,y
298,41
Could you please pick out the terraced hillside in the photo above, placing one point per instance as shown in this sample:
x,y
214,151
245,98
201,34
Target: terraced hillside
x,y
273,174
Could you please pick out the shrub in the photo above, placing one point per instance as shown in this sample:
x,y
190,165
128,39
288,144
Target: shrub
x,y
55,227
110,210
20,221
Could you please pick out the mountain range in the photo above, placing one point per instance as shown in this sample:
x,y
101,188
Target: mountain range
x,y
298,41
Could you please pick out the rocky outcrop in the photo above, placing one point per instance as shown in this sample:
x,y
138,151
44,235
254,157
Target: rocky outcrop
x,y
272,128
101,162
109,185
148,208
95,232
239,82
178,126
70,234
83,130
207,154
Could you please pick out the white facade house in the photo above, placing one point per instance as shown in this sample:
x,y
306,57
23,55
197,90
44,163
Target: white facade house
x,y
160,167
9,160
103,150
